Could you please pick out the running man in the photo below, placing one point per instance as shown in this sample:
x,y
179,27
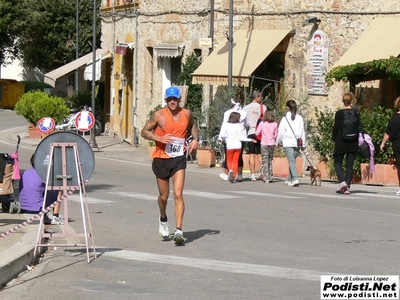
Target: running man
x,y
168,128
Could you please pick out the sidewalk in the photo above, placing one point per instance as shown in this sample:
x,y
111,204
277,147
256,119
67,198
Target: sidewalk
x,y
17,248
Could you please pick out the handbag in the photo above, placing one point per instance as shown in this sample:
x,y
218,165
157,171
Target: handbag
x,y
299,140
259,136
363,149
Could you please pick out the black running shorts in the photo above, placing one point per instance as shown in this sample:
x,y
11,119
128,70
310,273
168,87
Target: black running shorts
x,y
165,168
254,148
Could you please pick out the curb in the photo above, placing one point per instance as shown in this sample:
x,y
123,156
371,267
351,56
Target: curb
x,y
17,257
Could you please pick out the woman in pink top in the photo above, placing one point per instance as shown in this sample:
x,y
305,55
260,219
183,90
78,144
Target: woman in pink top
x,y
269,130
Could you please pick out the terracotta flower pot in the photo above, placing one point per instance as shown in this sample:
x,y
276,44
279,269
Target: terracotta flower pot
x,y
206,158
280,166
34,133
385,175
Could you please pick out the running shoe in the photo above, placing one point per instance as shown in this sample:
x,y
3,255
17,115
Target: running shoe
x,y
46,220
57,221
239,178
342,188
223,176
287,182
346,192
163,229
178,237
398,193
230,176
294,183
253,177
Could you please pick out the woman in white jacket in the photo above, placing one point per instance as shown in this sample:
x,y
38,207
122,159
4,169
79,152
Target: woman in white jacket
x,y
291,127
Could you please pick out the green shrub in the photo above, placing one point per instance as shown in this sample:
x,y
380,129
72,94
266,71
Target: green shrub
x,y
53,107
36,105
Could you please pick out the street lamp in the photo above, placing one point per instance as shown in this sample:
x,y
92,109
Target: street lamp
x,y
230,57
93,142
77,48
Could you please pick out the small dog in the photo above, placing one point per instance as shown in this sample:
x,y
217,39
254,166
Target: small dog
x,y
315,175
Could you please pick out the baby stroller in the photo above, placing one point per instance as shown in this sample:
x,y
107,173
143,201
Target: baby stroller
x,y
9,171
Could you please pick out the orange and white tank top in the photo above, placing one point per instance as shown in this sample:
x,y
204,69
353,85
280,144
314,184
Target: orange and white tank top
x,y
178,130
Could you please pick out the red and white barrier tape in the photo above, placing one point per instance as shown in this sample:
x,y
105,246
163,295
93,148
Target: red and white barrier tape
x,y
37,216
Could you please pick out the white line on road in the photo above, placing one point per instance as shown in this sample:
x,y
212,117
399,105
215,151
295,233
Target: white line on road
x,y
378,195
134,195
220,266
264,194
77,198
320,195
208,194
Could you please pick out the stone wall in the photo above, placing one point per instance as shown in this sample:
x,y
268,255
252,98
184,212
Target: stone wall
x,y
172,22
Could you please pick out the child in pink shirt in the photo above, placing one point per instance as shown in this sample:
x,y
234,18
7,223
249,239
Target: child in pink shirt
x,y
269,130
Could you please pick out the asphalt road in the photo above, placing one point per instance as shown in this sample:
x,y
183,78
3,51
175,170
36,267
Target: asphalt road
x,y
244,241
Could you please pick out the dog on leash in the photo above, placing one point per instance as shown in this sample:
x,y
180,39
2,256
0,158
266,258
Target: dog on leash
x,y
315,175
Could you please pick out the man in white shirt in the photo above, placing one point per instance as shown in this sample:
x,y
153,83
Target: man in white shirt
x,y
236,107
254,110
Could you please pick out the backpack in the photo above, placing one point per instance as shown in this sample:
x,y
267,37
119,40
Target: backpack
x,y
350,125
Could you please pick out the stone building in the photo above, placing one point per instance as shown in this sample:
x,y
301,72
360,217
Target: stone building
x,y
286,46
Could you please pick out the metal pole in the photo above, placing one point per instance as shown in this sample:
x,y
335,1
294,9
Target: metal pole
x,y
77,48
230,59
93,143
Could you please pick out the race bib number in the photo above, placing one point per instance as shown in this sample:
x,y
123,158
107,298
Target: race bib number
x,y
175,148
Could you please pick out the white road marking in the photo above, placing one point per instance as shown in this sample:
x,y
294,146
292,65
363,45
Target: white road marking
x,y
378,195
220,266
321,195
77,198
208,195
264,194
134,195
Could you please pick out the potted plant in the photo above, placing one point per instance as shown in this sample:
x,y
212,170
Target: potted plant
x,y
34,106
206,156
321,141
374,122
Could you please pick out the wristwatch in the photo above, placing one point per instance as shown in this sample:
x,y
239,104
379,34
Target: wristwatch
x,y
196,139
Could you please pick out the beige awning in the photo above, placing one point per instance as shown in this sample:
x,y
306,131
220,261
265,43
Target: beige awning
x,y
87,74
51,77
380,40
250,48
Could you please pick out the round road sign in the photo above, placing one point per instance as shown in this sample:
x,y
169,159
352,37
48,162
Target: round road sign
x,y
46,125
84,121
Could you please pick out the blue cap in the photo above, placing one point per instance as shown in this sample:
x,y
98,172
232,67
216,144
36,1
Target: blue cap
x,y
172,91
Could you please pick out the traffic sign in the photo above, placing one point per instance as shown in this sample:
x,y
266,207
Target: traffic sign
x,y
84,121
46,125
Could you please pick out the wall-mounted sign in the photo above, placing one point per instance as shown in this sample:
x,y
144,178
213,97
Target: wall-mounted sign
x,y
317,63
121,49
205,42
